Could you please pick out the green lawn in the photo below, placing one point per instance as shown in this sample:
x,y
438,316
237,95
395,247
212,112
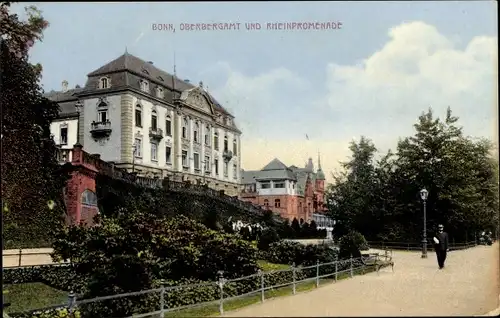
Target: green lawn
x,y
32,296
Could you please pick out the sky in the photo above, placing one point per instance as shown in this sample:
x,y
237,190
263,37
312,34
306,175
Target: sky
x,y
386,64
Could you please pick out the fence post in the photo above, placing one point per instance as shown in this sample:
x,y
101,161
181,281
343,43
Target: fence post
x,y
352,273
336,266
293,277
317,273
162,301
221,287
71,303
262,286
20,256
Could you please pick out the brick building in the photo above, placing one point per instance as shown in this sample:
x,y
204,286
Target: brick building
x,y
290,191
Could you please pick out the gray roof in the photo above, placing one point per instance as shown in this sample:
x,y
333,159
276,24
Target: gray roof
x,y
142,69
66,101
275,164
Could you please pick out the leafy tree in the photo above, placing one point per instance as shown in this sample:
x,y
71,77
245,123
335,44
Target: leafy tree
x,y
305,231
296,227
135,250
268,237
350,197
31,175
352,244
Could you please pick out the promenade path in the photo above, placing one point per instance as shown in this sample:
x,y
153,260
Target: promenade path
x,y
468,285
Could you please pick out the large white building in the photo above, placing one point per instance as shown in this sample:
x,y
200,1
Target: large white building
x,y
150,122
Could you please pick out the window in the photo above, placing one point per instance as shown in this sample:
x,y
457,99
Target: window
x,y
144,86
154,120
138,116
89,198
168,126
277,203
216,140
216,165
279,185
235,148
185,158
207,136
266,202
168,154
196,158
265,185
196,130
235,172
64,135
104,82
159,92
103,116
154,152
184,128
226,169
226,146
138,147
206,166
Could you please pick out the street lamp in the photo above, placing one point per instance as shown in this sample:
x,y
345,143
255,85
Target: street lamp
x,y
79,107
423,195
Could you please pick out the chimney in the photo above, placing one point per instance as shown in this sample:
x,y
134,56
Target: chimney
x,y
64,86
186,80
150,62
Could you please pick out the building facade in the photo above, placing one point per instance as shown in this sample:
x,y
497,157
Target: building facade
x,y
290,191
151,123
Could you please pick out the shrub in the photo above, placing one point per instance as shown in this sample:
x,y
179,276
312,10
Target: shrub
x,y
352,244
268,237
286,252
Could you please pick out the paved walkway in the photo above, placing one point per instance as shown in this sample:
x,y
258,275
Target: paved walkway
x,y
32,256
469,285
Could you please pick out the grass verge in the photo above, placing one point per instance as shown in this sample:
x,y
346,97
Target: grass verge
x,y
32,296
233,304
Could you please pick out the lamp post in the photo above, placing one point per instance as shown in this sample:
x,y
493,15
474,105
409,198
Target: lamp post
x,y
423,195
79,107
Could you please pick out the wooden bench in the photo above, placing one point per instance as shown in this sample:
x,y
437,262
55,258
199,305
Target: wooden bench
x,y
377,260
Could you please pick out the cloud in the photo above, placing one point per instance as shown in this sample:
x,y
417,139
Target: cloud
x,y
380,97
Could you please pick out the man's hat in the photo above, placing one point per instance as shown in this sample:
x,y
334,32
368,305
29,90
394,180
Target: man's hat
x,y
440,226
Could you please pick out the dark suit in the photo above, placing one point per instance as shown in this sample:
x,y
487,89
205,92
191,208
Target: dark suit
x,y
441,248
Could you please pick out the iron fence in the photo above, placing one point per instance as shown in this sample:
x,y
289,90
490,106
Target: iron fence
x,y
165,299
414,246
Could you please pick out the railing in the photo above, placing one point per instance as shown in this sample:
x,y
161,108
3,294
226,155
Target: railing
x,y
223,289
414,246
95,126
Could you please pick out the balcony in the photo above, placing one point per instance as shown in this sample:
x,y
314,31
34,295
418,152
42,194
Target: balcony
x,y
156,133
100,129
227,155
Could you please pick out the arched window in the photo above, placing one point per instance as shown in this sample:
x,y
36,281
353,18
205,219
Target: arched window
x,y
144,86
216,140
159,92
104,83
89,198
235,147
266,202
102,112
154,120
185,125
168,126
277,203
196,130
226,145
138,115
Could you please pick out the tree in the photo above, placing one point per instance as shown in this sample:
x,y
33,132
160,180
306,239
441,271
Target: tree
x,y
268,237
350,198
313,229
31,175
296,227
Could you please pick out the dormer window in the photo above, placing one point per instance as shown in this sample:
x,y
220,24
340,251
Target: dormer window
x,y
161,78
145,71
104,83
144,86
225,120
159,92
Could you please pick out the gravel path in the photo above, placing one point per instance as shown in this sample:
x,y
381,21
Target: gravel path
x,y
468,285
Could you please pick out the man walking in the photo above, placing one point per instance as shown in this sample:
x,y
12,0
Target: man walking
x,y
441,245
